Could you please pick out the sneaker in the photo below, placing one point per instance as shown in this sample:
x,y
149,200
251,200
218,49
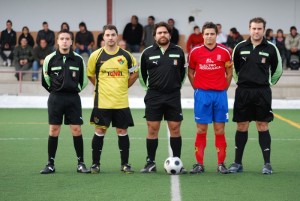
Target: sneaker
x,y
197,168
267,169
48,169
126,168
183,171
95,169
149,167
235,167
81,168
222,169
34,79
4,63
8,62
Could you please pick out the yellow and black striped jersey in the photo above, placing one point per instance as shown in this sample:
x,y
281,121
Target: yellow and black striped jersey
x,y
111,71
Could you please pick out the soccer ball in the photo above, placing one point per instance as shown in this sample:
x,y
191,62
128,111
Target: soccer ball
x,y
173,165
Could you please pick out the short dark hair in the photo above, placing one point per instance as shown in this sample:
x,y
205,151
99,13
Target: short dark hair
x,y
161,24
45,22
152,17
64,31
9,21
268,31
136,17
110,27
258,20
82,24
234,30
196,27
210,25
293,28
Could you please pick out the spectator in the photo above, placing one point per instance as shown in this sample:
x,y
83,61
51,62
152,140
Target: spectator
x,y
174,32
148,32
279,41
133,34
8,42
39,54
26,34
269,36
221,37
23,57
122,44
47,34
195,39
292,44
65,26
100,41
233,38
84,40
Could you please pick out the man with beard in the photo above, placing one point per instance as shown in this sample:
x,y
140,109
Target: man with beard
x,y
162,73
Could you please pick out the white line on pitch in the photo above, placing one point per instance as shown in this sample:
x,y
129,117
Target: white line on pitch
x,y
175,183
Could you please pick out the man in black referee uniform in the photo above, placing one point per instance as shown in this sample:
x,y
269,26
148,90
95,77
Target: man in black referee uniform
x,y
162,72
64,76
257,66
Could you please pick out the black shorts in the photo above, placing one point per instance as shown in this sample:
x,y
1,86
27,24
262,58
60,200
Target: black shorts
x,y
159,105
67,105
120,118
253,104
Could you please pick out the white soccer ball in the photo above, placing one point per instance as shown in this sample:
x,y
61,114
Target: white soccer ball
x,y
173,165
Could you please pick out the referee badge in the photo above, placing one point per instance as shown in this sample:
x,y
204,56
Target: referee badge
x,y
175,62
74,74
263,60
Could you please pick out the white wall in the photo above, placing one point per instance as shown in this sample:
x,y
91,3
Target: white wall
x,y
32,13
230,13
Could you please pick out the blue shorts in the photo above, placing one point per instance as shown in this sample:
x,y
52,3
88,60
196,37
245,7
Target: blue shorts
x,y
210,106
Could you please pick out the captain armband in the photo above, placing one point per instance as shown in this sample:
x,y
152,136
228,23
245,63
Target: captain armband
x,y
133,69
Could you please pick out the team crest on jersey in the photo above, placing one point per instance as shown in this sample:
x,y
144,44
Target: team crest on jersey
x,y
209,61
219,57
263,60
175,62
121,61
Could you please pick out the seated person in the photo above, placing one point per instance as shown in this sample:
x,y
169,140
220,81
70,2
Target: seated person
x,y
26,34
292,44
39,54
100,40
47,34
122,44
8,41
233,38
23,57
194,39
84,40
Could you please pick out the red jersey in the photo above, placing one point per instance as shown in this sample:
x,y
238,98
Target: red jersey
x,y
193,41
210,67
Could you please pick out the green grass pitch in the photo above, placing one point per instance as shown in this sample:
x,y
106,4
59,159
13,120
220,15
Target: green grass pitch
x,y
23,153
